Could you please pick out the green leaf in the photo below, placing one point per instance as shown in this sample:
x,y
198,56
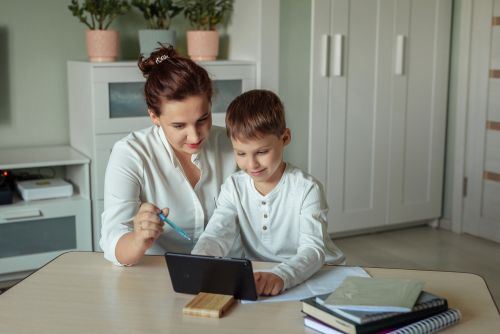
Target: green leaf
x,y
98,14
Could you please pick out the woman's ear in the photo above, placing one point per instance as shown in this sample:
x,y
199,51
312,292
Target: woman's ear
x,y
287,137
155,119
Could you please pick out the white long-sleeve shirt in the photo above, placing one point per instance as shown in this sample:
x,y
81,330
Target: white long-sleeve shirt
x,y
143,168
288,225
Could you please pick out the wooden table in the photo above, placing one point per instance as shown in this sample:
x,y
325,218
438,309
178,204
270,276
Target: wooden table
x,y
81,292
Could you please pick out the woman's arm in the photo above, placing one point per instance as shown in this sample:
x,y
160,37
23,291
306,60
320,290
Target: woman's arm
x,y
123,209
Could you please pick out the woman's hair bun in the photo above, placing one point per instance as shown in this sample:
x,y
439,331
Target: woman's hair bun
x,y
158,56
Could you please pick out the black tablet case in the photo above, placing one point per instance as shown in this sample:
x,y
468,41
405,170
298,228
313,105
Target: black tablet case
x,y
197,273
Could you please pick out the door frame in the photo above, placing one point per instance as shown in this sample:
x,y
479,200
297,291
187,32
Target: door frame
x,y
466,133
475,164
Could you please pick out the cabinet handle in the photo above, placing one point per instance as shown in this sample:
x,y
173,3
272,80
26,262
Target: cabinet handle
x,y
325,51
400,54
21,214
338,43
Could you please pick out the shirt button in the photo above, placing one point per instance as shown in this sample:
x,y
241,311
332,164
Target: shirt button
x,y
263,203
264,227
265,215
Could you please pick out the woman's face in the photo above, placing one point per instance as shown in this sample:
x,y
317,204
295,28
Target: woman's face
x,y
186,123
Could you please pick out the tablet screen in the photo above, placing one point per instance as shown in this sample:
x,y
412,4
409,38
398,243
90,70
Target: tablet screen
x,y
198,273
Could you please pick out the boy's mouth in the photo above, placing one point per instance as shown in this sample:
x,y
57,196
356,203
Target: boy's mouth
x,y
256,173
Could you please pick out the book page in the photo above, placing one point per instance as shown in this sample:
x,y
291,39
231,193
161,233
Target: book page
x,y
324,281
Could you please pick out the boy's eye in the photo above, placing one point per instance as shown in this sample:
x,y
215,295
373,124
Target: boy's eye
x,y
202,120
178,126
262,152
240,154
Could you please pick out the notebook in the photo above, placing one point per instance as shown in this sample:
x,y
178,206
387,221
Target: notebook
x,y
425,301
320,327
222,275
374,294
432,324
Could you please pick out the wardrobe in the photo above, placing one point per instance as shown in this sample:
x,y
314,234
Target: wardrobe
x,y
378,103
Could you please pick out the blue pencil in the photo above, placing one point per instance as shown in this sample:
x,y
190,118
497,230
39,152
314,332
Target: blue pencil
x,y
176,228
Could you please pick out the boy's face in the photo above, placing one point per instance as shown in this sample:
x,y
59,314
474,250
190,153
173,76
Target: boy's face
x,y
262,158
186,123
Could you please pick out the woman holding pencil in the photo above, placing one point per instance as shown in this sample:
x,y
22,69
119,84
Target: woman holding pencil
x,y
161,182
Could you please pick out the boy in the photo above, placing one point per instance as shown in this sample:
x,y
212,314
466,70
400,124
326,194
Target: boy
x,y
278,211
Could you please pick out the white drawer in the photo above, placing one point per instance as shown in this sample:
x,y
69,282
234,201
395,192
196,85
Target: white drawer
x,y
32,233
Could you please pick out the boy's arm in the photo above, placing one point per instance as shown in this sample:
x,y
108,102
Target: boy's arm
x,y
222,229
310,255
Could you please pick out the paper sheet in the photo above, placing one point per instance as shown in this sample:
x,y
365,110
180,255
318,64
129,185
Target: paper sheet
x,y
324,281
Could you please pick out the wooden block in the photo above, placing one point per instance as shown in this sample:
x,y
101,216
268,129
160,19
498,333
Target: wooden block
x,y
208,305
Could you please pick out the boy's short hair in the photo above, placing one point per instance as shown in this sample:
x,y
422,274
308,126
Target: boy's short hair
x,y
254,114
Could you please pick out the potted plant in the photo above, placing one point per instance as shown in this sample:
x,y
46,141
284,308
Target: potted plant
x,y
158,14
204,16
97,15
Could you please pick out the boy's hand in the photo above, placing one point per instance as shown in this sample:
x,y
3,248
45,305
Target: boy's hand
x,y
268,284
147,225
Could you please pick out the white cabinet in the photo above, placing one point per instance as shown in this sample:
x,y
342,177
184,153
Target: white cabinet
x,y
378,109
34,232
106,102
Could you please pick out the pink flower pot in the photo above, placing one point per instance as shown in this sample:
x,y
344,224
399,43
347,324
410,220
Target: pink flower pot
x,y
203,44
102,45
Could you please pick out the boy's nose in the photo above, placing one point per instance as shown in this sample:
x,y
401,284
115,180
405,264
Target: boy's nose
x,y
254,163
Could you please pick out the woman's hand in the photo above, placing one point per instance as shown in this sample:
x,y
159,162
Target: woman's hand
x,y
147,225
268,284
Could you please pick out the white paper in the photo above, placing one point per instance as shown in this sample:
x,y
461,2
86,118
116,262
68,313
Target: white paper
x,y
324,281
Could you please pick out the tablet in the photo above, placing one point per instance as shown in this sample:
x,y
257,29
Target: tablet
x,y
198,273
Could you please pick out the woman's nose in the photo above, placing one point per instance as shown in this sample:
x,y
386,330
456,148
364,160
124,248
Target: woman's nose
x,y
193,135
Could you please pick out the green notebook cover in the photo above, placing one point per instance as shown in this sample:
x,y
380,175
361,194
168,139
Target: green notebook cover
x,y
375,294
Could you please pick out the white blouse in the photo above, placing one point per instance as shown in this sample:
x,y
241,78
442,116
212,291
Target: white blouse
x,y
288,225
143,168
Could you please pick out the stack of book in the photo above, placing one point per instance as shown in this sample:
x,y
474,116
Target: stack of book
x,y
378,305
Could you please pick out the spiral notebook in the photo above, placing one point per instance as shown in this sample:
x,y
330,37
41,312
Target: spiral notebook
x,y
432,324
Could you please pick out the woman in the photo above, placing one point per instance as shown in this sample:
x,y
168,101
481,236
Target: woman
x,y
176,166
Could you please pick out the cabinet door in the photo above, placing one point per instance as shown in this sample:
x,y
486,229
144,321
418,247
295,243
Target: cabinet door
x,y
418,120
229,81
119,104
357,111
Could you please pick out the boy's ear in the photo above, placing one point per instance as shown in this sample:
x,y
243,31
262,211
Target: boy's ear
x,y
287,137
155,119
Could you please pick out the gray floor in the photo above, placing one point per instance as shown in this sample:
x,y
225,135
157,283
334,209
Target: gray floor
x,y
427,248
